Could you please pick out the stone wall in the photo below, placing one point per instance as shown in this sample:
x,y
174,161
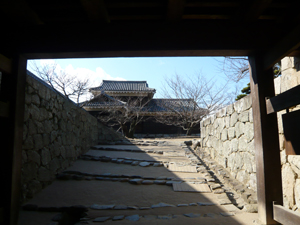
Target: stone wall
x,y
56,132
228,137
290,165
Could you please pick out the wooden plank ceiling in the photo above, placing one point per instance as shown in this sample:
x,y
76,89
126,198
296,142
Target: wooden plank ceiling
x,y
149,28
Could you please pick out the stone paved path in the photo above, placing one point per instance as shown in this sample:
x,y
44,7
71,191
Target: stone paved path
x,y
132,184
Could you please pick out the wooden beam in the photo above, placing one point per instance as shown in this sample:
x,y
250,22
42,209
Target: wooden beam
x,y
212,4
206,17
137,37
266,141
4,109
152,53
250,11
175,10
284,100
141,4
5,64
96,10
11,139
136,17
284,47
285,216
19,12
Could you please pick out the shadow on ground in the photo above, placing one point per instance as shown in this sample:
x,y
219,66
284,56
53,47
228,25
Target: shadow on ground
x,y
125,184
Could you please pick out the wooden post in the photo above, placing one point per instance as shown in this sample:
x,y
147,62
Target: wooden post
x,y
266,141
13,92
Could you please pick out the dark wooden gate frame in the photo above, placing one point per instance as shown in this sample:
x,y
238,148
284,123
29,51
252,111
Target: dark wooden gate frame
x,y
262,86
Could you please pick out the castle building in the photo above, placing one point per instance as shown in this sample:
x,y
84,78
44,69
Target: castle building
x,y
119,94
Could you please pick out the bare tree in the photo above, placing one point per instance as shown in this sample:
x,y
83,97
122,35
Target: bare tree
x,y
121,113
237,68
67,84
190,100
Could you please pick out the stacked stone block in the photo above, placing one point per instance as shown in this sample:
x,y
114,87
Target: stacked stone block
x,y
290,165
56,132
228,137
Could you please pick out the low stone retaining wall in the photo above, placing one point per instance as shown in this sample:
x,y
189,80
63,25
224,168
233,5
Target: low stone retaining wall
x,y
56,132
228,137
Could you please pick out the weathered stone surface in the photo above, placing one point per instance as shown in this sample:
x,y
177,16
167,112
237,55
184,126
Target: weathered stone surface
x,y
182,205
33,156
135,163
118,217
144,208
45,174
226,214
158,164
121,207
231,133
288,183
243,143
45,156
160,182
144,164
233,119
242,176
239,129
135,181
55,133
206,203
250,208
38,141
34,187
229,109
192,215
249,131
147,182
244,116
101,219
29,172
161,204
297,192
100,207
135,217
224,135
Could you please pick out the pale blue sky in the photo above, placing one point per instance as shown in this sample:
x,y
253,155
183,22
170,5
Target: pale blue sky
x,y
151,69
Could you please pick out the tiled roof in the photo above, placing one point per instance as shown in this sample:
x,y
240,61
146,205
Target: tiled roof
x,y
103,100
112,85
169,105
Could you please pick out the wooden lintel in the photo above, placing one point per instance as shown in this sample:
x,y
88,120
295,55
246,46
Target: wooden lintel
x,y
152,53
285,216
284,100
152,38
96,10
284,47
175,10
4,109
